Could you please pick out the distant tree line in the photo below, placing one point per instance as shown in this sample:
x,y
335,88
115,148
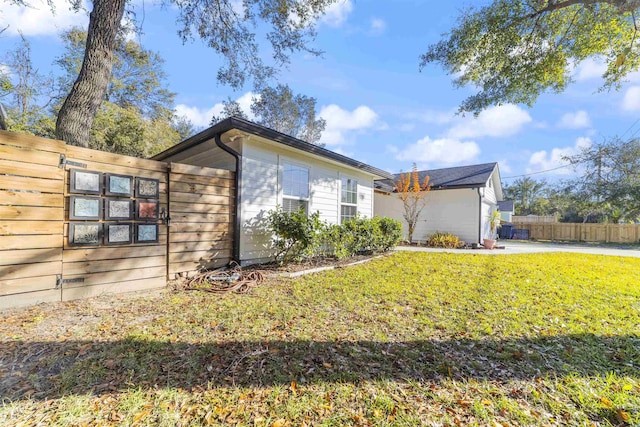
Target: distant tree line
x,y
607,188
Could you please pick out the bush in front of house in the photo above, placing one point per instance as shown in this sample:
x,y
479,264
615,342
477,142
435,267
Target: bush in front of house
x,y
361,235
298,236
444,240
388,235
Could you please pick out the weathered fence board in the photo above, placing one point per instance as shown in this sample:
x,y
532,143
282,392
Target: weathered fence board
x,y
31,219
608,233
31,213
201,201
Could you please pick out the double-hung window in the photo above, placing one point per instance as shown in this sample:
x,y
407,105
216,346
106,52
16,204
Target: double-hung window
x,y
295,188
349,199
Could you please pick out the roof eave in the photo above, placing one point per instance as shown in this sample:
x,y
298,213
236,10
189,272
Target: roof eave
x,y
252,128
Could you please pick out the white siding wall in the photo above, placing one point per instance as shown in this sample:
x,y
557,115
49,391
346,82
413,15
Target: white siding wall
x,y
447,211
487,209
325,191
262,191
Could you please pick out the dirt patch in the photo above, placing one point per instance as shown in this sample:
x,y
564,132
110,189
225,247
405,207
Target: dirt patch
x,y
309,264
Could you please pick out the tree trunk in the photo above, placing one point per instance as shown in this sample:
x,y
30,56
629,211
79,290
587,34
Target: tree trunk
x,y
79,109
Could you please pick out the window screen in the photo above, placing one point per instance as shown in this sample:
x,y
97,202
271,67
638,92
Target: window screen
x,y
295,188
295,181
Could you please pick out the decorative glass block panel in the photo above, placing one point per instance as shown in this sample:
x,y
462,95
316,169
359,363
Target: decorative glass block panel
x,y
118,209
146,233
85,233
85,207
119,185
118,234
147,210
85,182
147,187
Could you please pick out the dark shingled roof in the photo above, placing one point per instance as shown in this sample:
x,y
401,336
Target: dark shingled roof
x,y
506,206
442,179
270,134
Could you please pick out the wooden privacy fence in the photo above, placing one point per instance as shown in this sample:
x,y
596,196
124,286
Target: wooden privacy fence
x,y
43,256
527,219
610,233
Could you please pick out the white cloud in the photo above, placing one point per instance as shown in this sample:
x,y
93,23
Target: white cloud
x,y
443,151
336,14
434,116
340,122
377,26
500,121
201,117
631,101
37,19
577,120
591,68
504,166
5,70
543,160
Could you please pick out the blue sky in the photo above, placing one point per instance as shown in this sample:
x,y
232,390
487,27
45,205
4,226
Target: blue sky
x,y
379,108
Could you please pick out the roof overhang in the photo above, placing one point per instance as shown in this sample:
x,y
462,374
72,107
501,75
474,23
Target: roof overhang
x,y
269,134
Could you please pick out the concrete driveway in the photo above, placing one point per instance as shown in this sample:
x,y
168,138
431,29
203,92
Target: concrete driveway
x,y
519,247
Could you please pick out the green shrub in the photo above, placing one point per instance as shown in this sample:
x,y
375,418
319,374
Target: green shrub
x,y
444,240
296,235
388,233
362,235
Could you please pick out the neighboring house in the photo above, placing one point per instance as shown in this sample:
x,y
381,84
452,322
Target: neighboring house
x,y
460,201
506,209
276,169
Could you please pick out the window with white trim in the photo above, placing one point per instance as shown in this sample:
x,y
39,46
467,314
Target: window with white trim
x,y
349,199
295,188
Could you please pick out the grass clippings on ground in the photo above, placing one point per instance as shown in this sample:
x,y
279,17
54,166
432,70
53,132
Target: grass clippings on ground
x,y
410,339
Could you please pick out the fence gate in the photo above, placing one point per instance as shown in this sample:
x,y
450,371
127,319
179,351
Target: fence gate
x,y
31,219
201,212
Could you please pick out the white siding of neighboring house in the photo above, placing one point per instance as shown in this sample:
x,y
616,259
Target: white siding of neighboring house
x,y
487,209
262,191
506,216
448,211
489,205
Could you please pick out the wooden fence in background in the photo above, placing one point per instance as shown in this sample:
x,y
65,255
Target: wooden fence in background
x,y
528,219
37,263
609,233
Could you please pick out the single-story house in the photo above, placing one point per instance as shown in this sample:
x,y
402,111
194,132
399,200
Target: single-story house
x,y
274,169
460,202
506,209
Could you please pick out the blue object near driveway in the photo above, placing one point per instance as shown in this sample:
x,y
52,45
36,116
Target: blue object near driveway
x,y
506,231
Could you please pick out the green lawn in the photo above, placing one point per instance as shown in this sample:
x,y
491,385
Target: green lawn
x,y
409,339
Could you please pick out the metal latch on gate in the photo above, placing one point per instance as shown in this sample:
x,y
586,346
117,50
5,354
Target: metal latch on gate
x,y
64,161
60,281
